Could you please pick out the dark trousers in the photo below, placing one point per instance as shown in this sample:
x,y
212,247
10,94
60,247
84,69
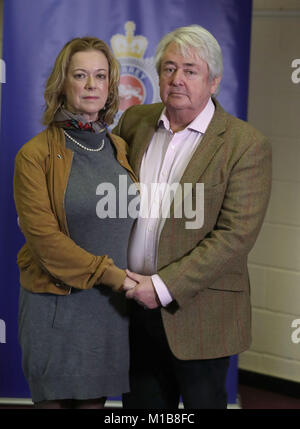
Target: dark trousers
x,y
158,378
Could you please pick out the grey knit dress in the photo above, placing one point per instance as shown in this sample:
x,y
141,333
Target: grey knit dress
x,y
77,346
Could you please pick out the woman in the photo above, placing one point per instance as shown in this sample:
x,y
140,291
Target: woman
x,y
73,326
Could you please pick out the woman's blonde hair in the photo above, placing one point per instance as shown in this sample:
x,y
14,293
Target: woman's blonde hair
x,y
53,94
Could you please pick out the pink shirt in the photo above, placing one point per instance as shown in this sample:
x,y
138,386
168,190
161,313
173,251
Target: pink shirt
x,y
163,165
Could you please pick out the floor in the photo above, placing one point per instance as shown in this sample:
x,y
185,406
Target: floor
x,y
253,398
249,398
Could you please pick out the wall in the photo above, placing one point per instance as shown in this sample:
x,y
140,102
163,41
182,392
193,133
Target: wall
x,y
274,263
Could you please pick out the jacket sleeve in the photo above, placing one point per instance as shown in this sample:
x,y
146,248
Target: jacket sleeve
x,y
220,258
55,252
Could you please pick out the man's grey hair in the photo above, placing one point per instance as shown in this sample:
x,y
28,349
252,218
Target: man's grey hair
x,y
196,38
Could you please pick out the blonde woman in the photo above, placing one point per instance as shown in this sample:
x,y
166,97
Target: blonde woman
x,y
73,325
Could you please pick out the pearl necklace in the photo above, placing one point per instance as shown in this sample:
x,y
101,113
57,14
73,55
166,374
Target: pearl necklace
x,y
84,147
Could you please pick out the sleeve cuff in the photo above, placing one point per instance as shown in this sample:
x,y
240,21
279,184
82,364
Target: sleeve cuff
x,y
113,277
162,291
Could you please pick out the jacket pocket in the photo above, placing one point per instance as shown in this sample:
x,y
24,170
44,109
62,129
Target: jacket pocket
x,y
231,283
61,316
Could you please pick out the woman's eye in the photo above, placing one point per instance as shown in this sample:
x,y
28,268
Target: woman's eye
x,y
79,76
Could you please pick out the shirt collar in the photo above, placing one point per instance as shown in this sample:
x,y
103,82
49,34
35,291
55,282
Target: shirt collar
x,y
199,124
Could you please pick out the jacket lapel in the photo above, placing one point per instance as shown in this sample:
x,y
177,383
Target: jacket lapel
x,y
210,144
142,138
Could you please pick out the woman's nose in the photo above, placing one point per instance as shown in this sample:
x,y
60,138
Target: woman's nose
x,y
90,83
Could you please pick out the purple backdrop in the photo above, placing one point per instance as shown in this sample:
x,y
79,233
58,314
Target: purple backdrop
x,y
34,32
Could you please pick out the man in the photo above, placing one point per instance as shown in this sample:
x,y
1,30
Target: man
x,y
192,298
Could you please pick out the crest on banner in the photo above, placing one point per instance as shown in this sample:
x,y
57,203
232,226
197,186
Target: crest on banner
x,y
139,80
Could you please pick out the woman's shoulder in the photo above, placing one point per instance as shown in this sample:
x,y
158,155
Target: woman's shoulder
x,y
119,143
38,147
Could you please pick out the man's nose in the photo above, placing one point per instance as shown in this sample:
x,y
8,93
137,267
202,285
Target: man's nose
x,y
177,77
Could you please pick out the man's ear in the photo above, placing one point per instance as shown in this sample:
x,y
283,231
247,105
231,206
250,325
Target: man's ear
x,y
215,83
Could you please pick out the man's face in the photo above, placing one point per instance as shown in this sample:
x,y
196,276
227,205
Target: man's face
x,y
184,81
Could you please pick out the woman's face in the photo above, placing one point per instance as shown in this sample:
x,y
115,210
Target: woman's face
x,y
87,82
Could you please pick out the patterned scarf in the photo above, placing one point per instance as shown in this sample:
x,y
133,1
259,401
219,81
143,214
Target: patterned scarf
x,y
65,119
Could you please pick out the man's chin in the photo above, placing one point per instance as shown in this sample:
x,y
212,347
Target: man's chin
x,y
176,102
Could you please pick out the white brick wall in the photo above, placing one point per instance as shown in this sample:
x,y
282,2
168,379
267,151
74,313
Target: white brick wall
x,y
274,263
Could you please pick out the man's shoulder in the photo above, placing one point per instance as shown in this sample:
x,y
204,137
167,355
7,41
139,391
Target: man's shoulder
x,y
144,109
136,116
236,125
245,129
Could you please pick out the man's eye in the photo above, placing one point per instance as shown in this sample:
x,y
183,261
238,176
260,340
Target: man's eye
x,y
191,74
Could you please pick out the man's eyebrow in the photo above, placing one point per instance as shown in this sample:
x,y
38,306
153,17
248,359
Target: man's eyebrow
x,y
184,64
190,64
169,62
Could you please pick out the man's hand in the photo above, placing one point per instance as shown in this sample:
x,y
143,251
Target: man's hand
x,y
144,293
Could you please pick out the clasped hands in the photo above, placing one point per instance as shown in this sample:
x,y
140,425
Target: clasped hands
x,y
141,289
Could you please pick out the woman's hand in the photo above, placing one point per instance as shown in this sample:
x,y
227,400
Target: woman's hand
x,y
145,293
128,284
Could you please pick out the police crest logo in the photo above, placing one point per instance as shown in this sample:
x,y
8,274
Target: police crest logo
x,y
139,80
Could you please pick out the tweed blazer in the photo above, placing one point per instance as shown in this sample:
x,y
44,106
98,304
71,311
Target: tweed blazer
x,y
205,269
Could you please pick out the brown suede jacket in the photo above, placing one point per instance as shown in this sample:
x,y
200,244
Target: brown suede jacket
x,y
50,261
